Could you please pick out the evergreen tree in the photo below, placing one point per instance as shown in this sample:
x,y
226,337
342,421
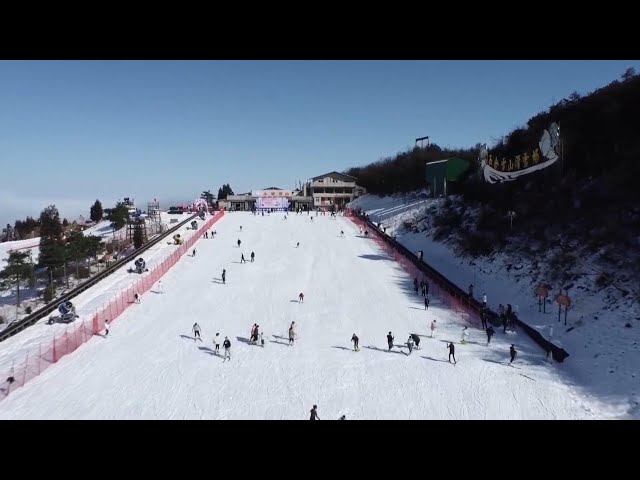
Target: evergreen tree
x,y
138,237
18,272
96,211
52,253
118,216
65,222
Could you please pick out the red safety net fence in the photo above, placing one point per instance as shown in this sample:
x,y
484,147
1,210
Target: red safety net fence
x,y
437,289
39,359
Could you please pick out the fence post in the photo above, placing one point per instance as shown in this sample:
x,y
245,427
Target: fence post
x,y
54,359
39,357
66,334
24,375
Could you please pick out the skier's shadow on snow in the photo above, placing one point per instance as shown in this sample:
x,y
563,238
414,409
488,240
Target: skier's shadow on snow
x,y
436,359
383,350
294,301
342,348
416,308
187,336
279,343
155,291
243,340
209,351
215,280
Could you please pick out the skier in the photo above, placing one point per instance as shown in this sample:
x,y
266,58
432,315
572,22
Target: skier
x,y
224,275
433,329
484,301
311,219
410,344
253,256
160,290
256,331
196,332
194,253
216,342
416,340
242,260
301,297
465,335
355,341
452,353
513,353
106,328
240,227
490,333
227,348
314,413
239,242
137,297
298,245
292,333
426,302
483,319
341,233
390,340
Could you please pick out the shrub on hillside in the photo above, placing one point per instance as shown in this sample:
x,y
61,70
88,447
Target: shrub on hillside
x,y
83,272
49,293
28,310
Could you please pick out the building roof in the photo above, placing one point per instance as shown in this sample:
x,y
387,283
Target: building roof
x,y
272,188
336,174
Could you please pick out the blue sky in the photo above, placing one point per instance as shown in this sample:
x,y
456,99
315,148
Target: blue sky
x,y
74,131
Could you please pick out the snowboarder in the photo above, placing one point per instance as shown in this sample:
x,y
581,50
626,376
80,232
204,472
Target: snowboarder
x,y
314,413
301,297
465,335
513,353
224,275
426,302
239,242
242,260
216,342
196,332
416,340
490,333
433,329
390,340
137,297
410,344
452,353
106,328
484,301
292,333
253,256
355,341
227,349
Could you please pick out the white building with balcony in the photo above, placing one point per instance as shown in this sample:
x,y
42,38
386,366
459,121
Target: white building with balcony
x,y
333,189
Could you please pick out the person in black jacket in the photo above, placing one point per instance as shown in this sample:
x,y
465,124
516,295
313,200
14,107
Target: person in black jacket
x,y
490,333
426,302
452,353
314,413
253,256
224,275
355,341
483,319
239,242
227,349
513,353
416,340
390,340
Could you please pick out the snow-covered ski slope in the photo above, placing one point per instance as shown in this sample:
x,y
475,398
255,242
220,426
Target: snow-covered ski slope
x,y
149,367
14,349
